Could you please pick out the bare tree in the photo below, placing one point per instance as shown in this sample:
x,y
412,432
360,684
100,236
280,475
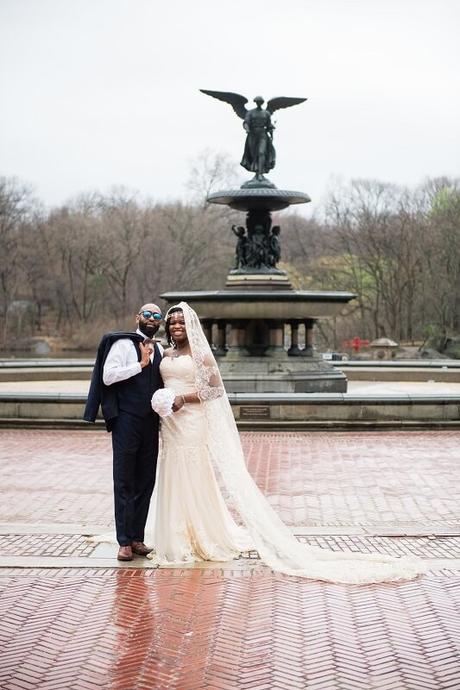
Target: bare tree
x,y
124,232
210,172
441,264
100,256
16,206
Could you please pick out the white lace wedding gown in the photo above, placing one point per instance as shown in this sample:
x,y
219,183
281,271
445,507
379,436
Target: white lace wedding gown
x,y
189,520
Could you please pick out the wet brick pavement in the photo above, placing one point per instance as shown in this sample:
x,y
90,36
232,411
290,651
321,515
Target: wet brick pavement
x,y
236,626
194,630
309,478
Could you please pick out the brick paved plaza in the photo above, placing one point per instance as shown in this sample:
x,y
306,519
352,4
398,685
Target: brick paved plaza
x,y
72,617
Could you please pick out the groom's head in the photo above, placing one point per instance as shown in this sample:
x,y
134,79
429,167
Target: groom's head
x,y
149,319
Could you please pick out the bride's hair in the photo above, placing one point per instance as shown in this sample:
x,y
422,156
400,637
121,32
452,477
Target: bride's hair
x,y
171,341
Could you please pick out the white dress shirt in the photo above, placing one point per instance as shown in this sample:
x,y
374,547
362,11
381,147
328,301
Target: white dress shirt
x,y
122,362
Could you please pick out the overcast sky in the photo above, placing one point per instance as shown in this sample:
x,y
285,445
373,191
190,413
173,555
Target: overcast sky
x,y
102,92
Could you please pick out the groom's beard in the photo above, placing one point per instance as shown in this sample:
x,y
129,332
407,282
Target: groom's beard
x,y
148,330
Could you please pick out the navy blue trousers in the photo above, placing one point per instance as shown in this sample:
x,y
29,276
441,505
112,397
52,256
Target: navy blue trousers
x,y
135,451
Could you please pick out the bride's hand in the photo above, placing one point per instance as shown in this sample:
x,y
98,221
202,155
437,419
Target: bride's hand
x,y
178,403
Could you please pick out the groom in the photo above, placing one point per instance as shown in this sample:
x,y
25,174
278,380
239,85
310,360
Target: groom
x,y
125,376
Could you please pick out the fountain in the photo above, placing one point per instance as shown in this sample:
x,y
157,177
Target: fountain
x,y
246,323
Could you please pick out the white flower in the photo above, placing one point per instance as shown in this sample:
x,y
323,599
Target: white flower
x,y
162,401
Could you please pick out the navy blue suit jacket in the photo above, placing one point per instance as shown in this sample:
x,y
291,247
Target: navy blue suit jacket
x,y
99,394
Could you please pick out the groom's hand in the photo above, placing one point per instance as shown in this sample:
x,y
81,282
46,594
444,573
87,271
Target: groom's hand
x,y
145,355
178,403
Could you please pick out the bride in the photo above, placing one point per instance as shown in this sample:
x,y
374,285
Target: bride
x,y
191,517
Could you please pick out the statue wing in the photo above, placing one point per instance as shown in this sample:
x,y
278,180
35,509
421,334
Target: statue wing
x,y
234,99
283,102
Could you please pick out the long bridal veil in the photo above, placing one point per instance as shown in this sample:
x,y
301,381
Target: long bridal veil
x,y
277,546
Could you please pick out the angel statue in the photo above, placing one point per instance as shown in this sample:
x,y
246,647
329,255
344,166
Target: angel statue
x,y
259,153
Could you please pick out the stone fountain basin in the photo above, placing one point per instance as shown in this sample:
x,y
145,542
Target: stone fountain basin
x,y
282,305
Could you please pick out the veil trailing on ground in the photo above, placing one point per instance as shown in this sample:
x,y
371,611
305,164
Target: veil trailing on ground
x,y
274,541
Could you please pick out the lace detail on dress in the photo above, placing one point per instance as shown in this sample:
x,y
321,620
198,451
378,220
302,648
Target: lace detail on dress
x,y
190,521
207,375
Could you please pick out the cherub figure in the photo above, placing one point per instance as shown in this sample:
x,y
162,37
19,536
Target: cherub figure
x,y
241,245
274,246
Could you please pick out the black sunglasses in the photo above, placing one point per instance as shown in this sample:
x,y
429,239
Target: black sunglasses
x,y
149,314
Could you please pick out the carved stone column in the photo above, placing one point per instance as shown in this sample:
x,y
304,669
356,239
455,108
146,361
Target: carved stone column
x,y
294,350
207,328
221,345
308,349
276,338
237,339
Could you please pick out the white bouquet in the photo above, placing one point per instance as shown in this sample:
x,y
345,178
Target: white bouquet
x,y
162,401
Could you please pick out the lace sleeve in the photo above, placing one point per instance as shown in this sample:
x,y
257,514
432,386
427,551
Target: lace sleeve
x,y
209,383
